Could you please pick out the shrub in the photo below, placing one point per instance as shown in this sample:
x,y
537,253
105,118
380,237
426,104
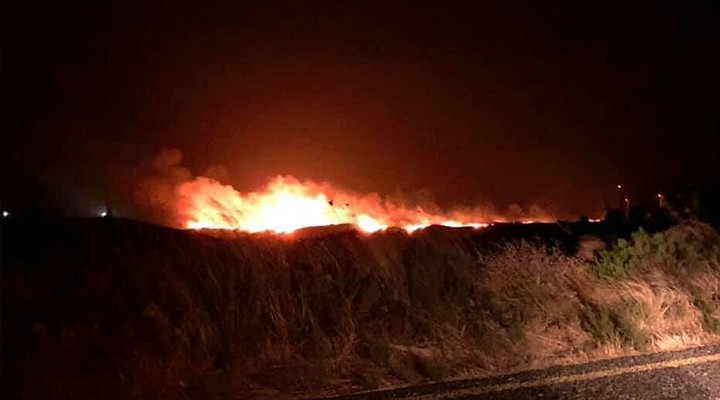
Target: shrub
x,y
686,257
691,245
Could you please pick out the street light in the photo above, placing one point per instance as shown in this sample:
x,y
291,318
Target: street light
x,y
5,214
627,207
661,199
621,195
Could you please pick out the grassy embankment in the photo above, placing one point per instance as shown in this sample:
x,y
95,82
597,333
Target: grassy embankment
x,y
129,310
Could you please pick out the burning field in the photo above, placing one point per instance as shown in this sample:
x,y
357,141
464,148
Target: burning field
x,y
373,194
299,288
286,204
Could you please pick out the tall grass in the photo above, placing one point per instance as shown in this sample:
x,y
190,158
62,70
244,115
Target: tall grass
x,y
169,314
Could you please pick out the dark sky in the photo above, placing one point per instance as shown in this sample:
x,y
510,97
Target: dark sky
x,y
509,103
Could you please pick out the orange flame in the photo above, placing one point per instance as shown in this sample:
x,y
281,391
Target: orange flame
x,y
286,204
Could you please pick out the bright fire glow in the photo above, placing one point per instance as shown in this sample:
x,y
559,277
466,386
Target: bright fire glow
x,y
286,204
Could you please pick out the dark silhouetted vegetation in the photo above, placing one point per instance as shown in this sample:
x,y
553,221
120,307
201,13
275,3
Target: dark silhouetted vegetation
x,y
121,309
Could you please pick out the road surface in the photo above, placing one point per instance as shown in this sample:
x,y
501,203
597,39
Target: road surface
x,y
689,374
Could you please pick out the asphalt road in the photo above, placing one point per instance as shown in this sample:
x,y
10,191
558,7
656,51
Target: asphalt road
x,y
689,374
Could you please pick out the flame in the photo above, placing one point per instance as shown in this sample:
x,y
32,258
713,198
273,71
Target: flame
x,y
286,204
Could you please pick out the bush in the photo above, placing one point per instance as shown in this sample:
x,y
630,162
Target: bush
x,y
688,253
686,246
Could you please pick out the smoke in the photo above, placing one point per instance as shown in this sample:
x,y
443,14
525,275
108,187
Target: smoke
x,y
156,191
170,194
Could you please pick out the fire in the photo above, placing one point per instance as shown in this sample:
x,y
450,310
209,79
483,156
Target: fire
x,y
369,224
286,204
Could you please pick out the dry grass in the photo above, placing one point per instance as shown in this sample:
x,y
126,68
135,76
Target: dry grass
x,y
228,315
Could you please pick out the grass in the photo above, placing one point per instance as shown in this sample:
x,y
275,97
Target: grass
x,y
126,310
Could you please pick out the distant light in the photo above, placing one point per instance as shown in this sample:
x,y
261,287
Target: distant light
x,y
659,195
627,200
619,186
6,214
103,214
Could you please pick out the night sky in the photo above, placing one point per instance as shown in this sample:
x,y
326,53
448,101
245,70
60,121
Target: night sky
x,y
479,101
